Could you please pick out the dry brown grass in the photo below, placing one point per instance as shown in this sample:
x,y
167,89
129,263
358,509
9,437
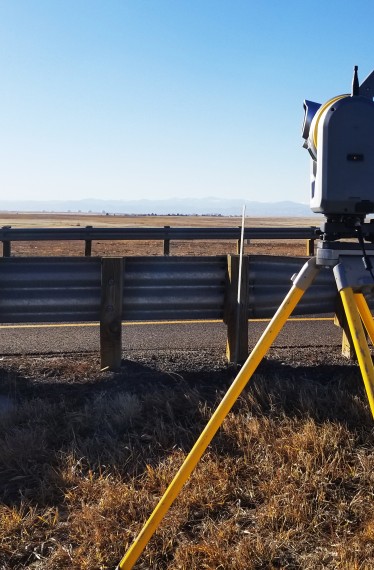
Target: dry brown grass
x,y
84,457
287,482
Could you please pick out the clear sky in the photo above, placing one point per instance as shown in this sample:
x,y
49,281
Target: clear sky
x,y
124,99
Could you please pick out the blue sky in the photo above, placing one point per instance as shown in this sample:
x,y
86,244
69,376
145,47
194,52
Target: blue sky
x,y
169,98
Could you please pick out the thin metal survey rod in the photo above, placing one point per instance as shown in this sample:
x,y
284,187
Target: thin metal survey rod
x,y
301,284
239,296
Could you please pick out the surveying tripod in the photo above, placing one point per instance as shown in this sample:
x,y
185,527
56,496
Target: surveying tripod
x,y
353,281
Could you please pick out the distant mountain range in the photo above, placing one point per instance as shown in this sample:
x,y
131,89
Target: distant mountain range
x,y
181,206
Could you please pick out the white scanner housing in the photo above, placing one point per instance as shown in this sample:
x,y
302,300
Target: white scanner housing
x,y
340,138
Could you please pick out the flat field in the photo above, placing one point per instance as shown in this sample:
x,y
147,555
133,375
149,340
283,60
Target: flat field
x,y
287,482
126,248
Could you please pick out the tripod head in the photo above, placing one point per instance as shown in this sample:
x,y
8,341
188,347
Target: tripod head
x,y
339,136
340,227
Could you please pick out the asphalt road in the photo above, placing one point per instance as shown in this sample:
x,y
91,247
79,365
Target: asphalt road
x,y
72,338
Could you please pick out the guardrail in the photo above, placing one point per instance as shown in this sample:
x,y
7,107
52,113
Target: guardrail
x,y
165,234
116,289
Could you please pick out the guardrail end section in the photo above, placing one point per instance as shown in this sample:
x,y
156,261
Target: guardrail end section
x,y
111,313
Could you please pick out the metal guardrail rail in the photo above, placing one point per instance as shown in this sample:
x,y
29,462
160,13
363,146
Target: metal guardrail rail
x,y
269,282
150,288
68,289
8,234
50,289
174,288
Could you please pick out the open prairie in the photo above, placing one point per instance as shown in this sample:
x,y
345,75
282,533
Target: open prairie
x,y
266,247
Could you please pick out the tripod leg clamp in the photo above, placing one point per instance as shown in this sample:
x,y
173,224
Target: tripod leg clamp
x,y
306,275
350,272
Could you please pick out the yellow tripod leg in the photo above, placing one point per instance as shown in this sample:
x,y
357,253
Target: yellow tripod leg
x,y
360,343
365,314
301,283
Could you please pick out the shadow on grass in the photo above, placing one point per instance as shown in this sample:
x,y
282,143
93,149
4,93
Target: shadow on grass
x,y
125,422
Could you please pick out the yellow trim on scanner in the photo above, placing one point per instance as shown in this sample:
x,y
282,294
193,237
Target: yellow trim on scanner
x,y
319,114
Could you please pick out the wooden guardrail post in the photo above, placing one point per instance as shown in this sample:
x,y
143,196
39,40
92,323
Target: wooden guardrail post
x,y
6,244
88,245
236,313
340,320
167,243
111,312
310,247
